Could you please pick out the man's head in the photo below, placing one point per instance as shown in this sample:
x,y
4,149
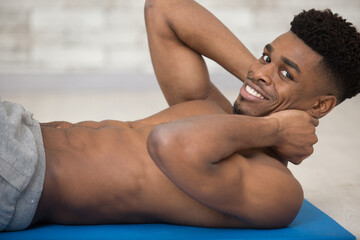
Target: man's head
x,y
313,67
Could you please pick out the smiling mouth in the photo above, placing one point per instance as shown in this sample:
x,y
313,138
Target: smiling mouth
x,y
253,92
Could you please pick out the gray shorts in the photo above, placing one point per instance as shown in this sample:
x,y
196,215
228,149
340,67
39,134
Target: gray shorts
x,y
22,166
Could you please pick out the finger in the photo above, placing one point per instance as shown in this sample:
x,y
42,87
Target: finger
x,y
297,160
307,152
315,122
316,139
310,151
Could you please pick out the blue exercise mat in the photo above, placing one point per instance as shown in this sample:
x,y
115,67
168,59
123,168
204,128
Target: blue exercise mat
x,y
311,223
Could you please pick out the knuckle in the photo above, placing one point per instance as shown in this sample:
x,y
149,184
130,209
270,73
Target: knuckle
x,y
316,139
298,160
311,151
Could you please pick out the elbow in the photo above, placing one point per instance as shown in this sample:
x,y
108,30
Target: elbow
x,y
157,6
148,8
154,144
151,12
151,4
168,146
159,145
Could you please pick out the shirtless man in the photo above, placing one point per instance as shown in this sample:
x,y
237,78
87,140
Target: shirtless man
x,y
196,163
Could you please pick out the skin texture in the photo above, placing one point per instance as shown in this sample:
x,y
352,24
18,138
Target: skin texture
x,y
284,86
194,163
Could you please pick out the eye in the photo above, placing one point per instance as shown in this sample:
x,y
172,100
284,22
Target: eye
x,y
286,74
266,58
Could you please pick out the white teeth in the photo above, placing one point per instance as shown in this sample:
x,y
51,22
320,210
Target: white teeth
x,y
253,92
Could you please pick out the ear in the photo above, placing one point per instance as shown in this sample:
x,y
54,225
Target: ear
x,y
323,106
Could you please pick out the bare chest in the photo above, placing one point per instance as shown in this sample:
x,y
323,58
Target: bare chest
x,y
103,174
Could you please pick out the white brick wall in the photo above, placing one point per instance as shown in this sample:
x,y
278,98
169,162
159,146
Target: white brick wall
x,y
67,36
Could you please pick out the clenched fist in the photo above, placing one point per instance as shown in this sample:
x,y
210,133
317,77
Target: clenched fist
x,y
295,135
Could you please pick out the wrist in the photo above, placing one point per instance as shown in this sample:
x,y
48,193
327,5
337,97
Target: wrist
x,y
273,126
256,132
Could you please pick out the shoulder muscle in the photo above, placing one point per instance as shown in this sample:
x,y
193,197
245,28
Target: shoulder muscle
x,y
257,189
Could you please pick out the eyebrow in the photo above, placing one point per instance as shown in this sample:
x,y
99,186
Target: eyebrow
x,y
291,64
287,61
269,48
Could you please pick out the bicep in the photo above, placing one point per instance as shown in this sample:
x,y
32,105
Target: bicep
x,y
181,72
259,192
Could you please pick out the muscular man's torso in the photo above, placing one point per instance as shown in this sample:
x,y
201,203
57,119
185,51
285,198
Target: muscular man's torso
x,y
100,173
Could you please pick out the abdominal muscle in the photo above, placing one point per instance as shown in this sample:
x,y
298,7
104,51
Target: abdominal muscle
x,y
101,173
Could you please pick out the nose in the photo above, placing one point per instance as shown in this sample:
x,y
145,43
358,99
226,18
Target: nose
x,y
264,73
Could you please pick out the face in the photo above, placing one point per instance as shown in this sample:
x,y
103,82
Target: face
x,y
284,77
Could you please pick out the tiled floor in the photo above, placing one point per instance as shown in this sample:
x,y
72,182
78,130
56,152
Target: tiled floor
x,y
330,177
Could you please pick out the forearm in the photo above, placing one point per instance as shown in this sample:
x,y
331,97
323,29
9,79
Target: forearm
x,y
206,140
194,153
201,31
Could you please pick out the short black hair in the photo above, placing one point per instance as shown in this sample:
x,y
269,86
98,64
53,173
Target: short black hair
x,y
338,42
